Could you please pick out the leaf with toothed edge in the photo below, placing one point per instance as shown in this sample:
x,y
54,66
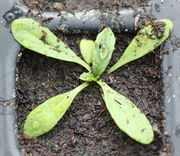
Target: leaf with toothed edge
x,y
35,37
127,116
144,42
44,117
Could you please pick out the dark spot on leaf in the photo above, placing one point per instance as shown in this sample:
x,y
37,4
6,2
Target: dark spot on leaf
x,y
138,42
150,36
67,97
134,115
100,46
57,47
127,121
142,130
43,37
117,101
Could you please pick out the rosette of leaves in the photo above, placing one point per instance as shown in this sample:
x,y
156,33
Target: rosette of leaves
x,y
97,55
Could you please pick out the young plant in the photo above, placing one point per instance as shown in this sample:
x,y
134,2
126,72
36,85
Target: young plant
x,y
97,55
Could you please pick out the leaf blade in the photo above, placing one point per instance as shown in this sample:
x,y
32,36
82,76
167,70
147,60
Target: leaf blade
x,y
88,77
127,116
87,49
40,39
104,47
44,117
143,43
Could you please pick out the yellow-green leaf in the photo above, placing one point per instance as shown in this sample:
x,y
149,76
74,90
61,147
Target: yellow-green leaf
x,y
87,49
145,41
127,116
104,47
40,39
44,117
88,77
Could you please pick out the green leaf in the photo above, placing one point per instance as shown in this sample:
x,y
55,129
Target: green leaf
x,y
145,41
127,116
44,117
88,77
87,49
104,47
40,39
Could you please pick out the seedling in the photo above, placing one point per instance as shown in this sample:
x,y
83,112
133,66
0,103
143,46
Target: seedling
x,y
97,55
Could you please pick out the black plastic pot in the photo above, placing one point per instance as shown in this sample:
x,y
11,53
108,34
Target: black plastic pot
x,y
92,21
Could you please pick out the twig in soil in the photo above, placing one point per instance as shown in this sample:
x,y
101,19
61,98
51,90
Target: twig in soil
x,y
70,151
101,112
27,138
139,101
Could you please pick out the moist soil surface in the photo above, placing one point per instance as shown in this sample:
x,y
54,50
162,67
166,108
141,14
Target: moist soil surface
x,y
87,128
84,4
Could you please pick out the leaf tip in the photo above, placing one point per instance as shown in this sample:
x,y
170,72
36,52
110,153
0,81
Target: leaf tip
x,y
148,138
169,23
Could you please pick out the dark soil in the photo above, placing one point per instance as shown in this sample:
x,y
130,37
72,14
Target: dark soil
x,y
84,4
87,128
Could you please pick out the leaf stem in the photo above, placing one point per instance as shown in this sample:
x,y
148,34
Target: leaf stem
x,y
81,87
